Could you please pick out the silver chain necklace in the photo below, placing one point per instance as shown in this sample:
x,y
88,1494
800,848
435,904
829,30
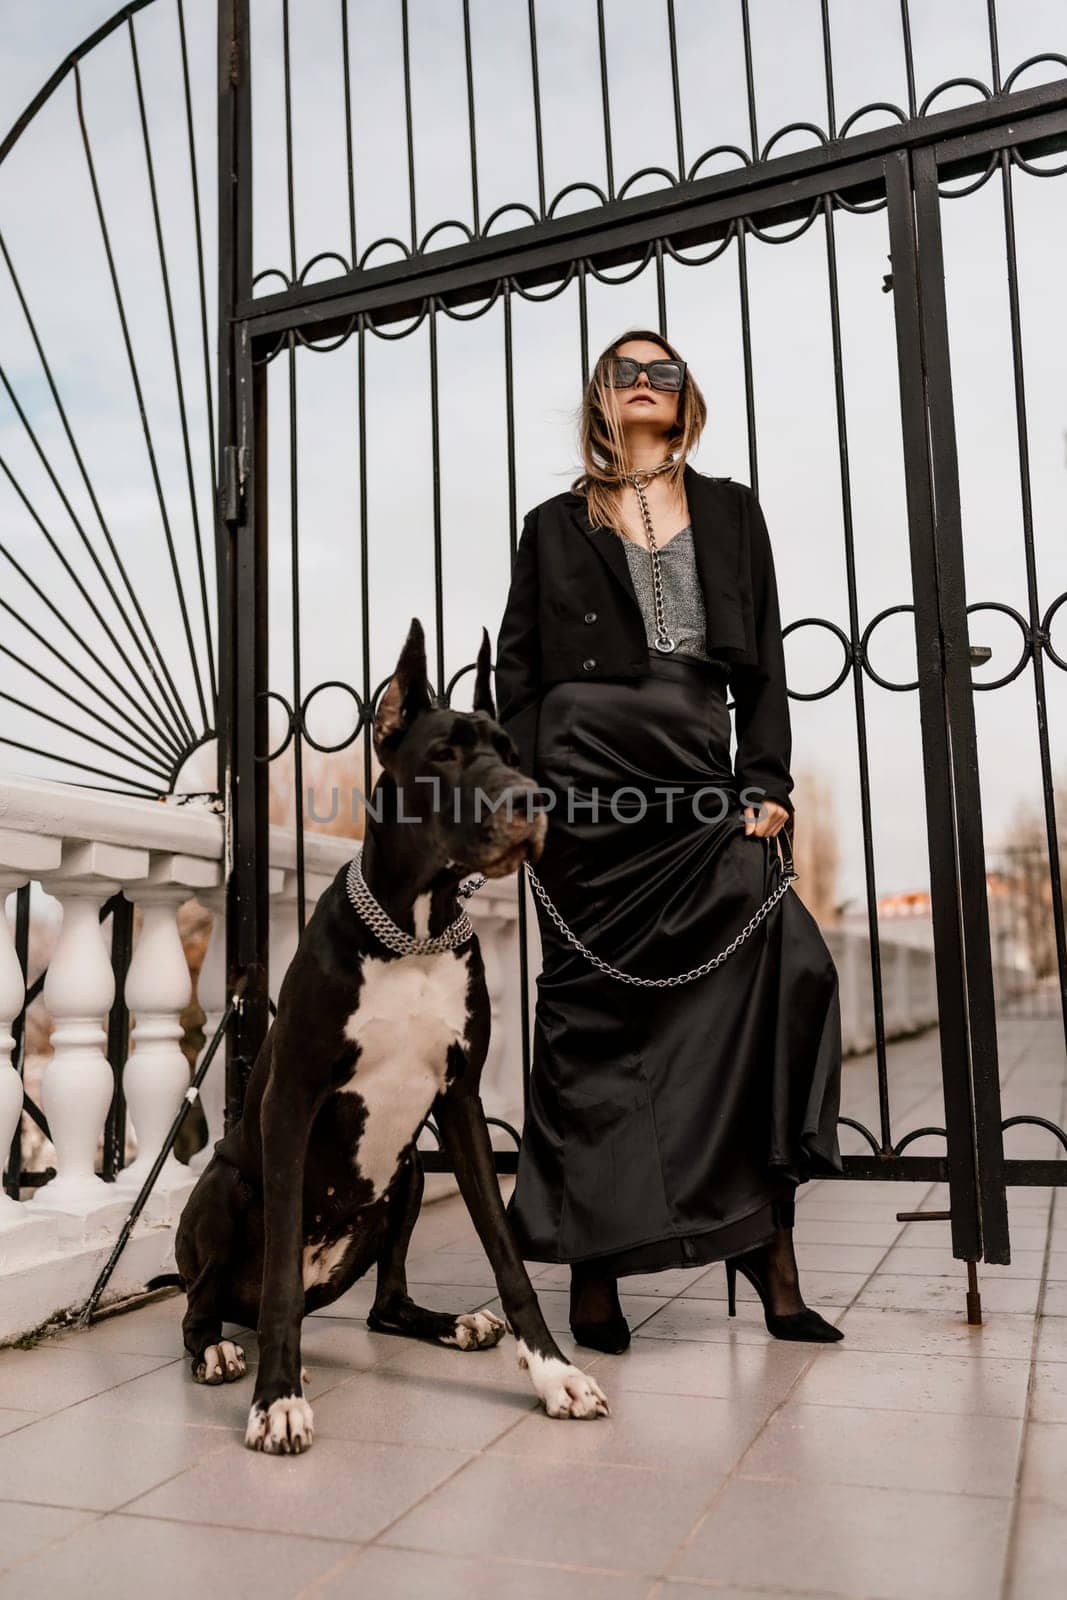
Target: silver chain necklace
x,y
663,641
394,938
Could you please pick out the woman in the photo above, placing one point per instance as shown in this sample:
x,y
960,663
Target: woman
x,y
667,1125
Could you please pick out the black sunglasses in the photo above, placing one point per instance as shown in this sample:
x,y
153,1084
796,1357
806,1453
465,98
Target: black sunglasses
x,y
623,371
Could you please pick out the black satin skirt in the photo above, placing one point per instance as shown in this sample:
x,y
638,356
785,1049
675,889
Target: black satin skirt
x,y
664,1123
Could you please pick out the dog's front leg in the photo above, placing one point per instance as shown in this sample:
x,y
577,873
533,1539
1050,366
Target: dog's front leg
x,y
280,1420
565,1391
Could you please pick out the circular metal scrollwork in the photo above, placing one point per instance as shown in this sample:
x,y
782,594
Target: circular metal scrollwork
x,y
575,188
841,636
784,238
471,316
712,255
290,725
361,715
1024,628
885,683
1046,629
627,274
648,172
552,291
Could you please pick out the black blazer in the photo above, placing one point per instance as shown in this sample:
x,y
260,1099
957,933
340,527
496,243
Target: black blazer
x,y
572,612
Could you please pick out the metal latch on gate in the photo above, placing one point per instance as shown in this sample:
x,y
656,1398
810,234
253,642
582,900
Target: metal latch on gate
x,y
232,485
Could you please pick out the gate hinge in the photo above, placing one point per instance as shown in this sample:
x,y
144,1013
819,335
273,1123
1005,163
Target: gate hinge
x,y
232,486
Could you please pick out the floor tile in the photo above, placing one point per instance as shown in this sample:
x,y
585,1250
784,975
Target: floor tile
x,y
24,1530
1044,1474
1054,1302
838,1257
1051,1339
757,1372
10,1420
443,1410
452,1267
124,1558
846,1230
675,1590
390,1574
938,1261
1057,1266
338,1490
619,1517
47,1379
900,1381
939,1333
910,1292
1039,1553
659,1432
883,1544
65,1461
1048,1403
954,1453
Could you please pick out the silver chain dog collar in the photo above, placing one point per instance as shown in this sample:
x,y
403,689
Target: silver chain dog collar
x,y
381,923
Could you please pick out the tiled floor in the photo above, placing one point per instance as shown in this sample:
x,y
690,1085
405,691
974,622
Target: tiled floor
x,y
918,1459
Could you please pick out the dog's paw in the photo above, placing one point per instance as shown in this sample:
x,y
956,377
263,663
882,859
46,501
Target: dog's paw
x,y
477,1330
564,1390
220,1363
282,1429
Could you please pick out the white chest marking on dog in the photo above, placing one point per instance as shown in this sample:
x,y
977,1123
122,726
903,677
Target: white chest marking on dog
x,y
321,1260
410,1010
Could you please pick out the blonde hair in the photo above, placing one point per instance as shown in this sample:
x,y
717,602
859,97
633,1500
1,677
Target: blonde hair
x,y
602,440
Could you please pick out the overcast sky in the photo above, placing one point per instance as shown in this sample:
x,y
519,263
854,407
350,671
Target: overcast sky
x,y
48,222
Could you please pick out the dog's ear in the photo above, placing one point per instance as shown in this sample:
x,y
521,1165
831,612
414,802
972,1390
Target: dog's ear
x,y
483,683
407,694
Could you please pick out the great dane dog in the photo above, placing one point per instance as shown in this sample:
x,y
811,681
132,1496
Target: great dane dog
x,y
319,1180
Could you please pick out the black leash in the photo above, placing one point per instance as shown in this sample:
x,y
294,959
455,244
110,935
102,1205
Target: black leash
x,y
191,1094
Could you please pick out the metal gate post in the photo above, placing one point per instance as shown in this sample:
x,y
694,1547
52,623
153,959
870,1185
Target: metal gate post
x,y
953,802
241,525
959,698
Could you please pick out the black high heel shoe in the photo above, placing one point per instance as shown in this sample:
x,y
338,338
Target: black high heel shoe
x,y
806,1324
610,1334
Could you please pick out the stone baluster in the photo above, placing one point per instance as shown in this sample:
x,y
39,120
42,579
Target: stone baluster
x,y
12,995
22,857
79,989
158,988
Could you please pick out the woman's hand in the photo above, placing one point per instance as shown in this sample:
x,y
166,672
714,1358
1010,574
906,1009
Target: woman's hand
x,y
763,822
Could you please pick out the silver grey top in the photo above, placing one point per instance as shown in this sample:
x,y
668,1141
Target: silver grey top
x,y
683,598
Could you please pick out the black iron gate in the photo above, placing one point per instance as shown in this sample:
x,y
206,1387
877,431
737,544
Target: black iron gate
x,y
901,170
